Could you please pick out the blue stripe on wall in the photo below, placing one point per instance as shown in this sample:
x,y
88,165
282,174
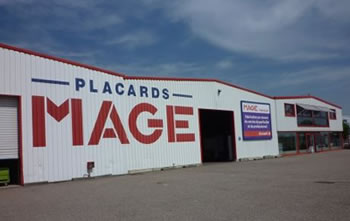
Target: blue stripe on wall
x,y
182,95
46,81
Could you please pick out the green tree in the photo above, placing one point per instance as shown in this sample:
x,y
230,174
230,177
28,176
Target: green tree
x,y
345,130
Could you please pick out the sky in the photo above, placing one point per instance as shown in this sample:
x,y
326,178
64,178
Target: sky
x,y
276,47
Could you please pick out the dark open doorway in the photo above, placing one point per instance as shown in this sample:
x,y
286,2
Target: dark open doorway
x,y
217,135
13,167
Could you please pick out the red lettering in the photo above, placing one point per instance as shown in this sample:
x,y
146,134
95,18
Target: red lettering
x,y
183,110
118,126
58,113
77,122
96,134
185,137
250,107
109,112
38,117
109,133
155,123
170,122
134,114
179,124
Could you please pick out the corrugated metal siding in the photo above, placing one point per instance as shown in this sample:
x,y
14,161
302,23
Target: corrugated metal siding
x,y
60,160
162,153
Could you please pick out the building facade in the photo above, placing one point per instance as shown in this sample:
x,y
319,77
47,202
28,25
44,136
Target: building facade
x,y
308,124
61,120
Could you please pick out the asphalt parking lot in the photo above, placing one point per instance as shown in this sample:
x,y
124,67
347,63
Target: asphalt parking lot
x,y
307,187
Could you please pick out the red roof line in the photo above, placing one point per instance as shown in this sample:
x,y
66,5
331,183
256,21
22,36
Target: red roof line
x,y
26,51
197,80
306,96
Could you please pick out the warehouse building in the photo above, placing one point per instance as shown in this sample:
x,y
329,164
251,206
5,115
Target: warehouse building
x,y
61,120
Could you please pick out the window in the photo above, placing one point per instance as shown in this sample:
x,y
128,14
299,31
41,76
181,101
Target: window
x,y
335,140
332,114
302,142
289,110
322,141
320,118
312,118
287,142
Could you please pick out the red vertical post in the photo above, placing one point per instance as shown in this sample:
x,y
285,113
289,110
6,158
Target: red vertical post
x,y
234,137
298,142
20,137
200,134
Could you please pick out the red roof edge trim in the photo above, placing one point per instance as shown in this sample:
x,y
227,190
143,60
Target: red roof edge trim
x,y
194,79
26,51
306,96
165,78
244,89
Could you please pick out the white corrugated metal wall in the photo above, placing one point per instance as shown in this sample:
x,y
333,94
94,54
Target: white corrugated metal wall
x,y
60,160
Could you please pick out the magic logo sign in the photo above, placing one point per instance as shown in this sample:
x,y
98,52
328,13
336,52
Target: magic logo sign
x,y
256,121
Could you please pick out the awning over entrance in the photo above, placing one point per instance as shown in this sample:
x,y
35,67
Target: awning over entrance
x,y
315,108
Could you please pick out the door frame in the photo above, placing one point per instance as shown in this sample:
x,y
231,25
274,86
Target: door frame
x,y
20,136
234,151
310,135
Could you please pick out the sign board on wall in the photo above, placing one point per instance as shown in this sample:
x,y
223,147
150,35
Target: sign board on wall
x,y
256,120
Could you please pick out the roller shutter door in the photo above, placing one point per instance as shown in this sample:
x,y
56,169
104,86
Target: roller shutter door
x,y
8,128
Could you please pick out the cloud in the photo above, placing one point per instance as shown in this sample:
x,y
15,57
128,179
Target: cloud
x,y
12,2
178,69
80,4
291,30
51,47
66,3
315,75
224,64
309,56
64,15
136,39
101,21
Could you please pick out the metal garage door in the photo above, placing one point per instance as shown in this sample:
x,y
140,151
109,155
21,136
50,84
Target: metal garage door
x,y
8,128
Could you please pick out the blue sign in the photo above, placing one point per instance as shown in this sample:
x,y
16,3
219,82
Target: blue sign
x,y
256,121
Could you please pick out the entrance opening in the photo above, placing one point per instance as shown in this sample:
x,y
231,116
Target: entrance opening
x,y
9,141
310,140
217,135
12,166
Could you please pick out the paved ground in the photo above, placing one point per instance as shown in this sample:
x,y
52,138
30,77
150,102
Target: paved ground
x,y
309,187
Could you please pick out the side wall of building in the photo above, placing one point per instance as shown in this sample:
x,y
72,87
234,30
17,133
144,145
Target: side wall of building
x,y
72,115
